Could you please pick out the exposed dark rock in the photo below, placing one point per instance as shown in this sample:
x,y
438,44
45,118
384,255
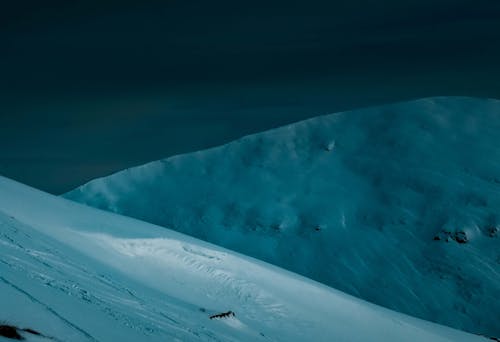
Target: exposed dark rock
x,y
31,331
10,331
223,315
492,232
459,236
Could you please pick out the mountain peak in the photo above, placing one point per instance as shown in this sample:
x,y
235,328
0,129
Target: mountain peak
x,y
395,204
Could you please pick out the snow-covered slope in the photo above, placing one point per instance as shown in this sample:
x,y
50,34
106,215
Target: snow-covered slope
x,y
398,205
74,273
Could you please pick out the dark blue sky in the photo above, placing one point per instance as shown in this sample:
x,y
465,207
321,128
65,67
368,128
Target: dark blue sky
x,y
88,88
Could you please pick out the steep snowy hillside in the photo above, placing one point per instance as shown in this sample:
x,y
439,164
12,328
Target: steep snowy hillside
x,y
398,205
74,273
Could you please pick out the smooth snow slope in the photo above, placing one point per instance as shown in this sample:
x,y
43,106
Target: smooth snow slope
x,y
353,200
80,274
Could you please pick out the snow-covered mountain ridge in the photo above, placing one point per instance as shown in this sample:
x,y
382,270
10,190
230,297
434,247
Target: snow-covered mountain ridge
x,y
74,273
398,204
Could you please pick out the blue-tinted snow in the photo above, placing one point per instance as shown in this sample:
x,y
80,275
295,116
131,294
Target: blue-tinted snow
x,y
354,200
79,274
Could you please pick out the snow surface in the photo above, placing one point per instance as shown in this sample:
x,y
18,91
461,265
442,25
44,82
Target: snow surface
x,y
75,273
353,200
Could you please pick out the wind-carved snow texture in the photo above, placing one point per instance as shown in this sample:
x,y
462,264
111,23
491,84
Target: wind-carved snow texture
x,y
74,273
398,205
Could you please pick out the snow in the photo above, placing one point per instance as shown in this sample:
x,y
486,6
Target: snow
x,y
353,200
75,273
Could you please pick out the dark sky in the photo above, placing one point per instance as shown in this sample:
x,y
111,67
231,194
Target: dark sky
x,y
88,88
